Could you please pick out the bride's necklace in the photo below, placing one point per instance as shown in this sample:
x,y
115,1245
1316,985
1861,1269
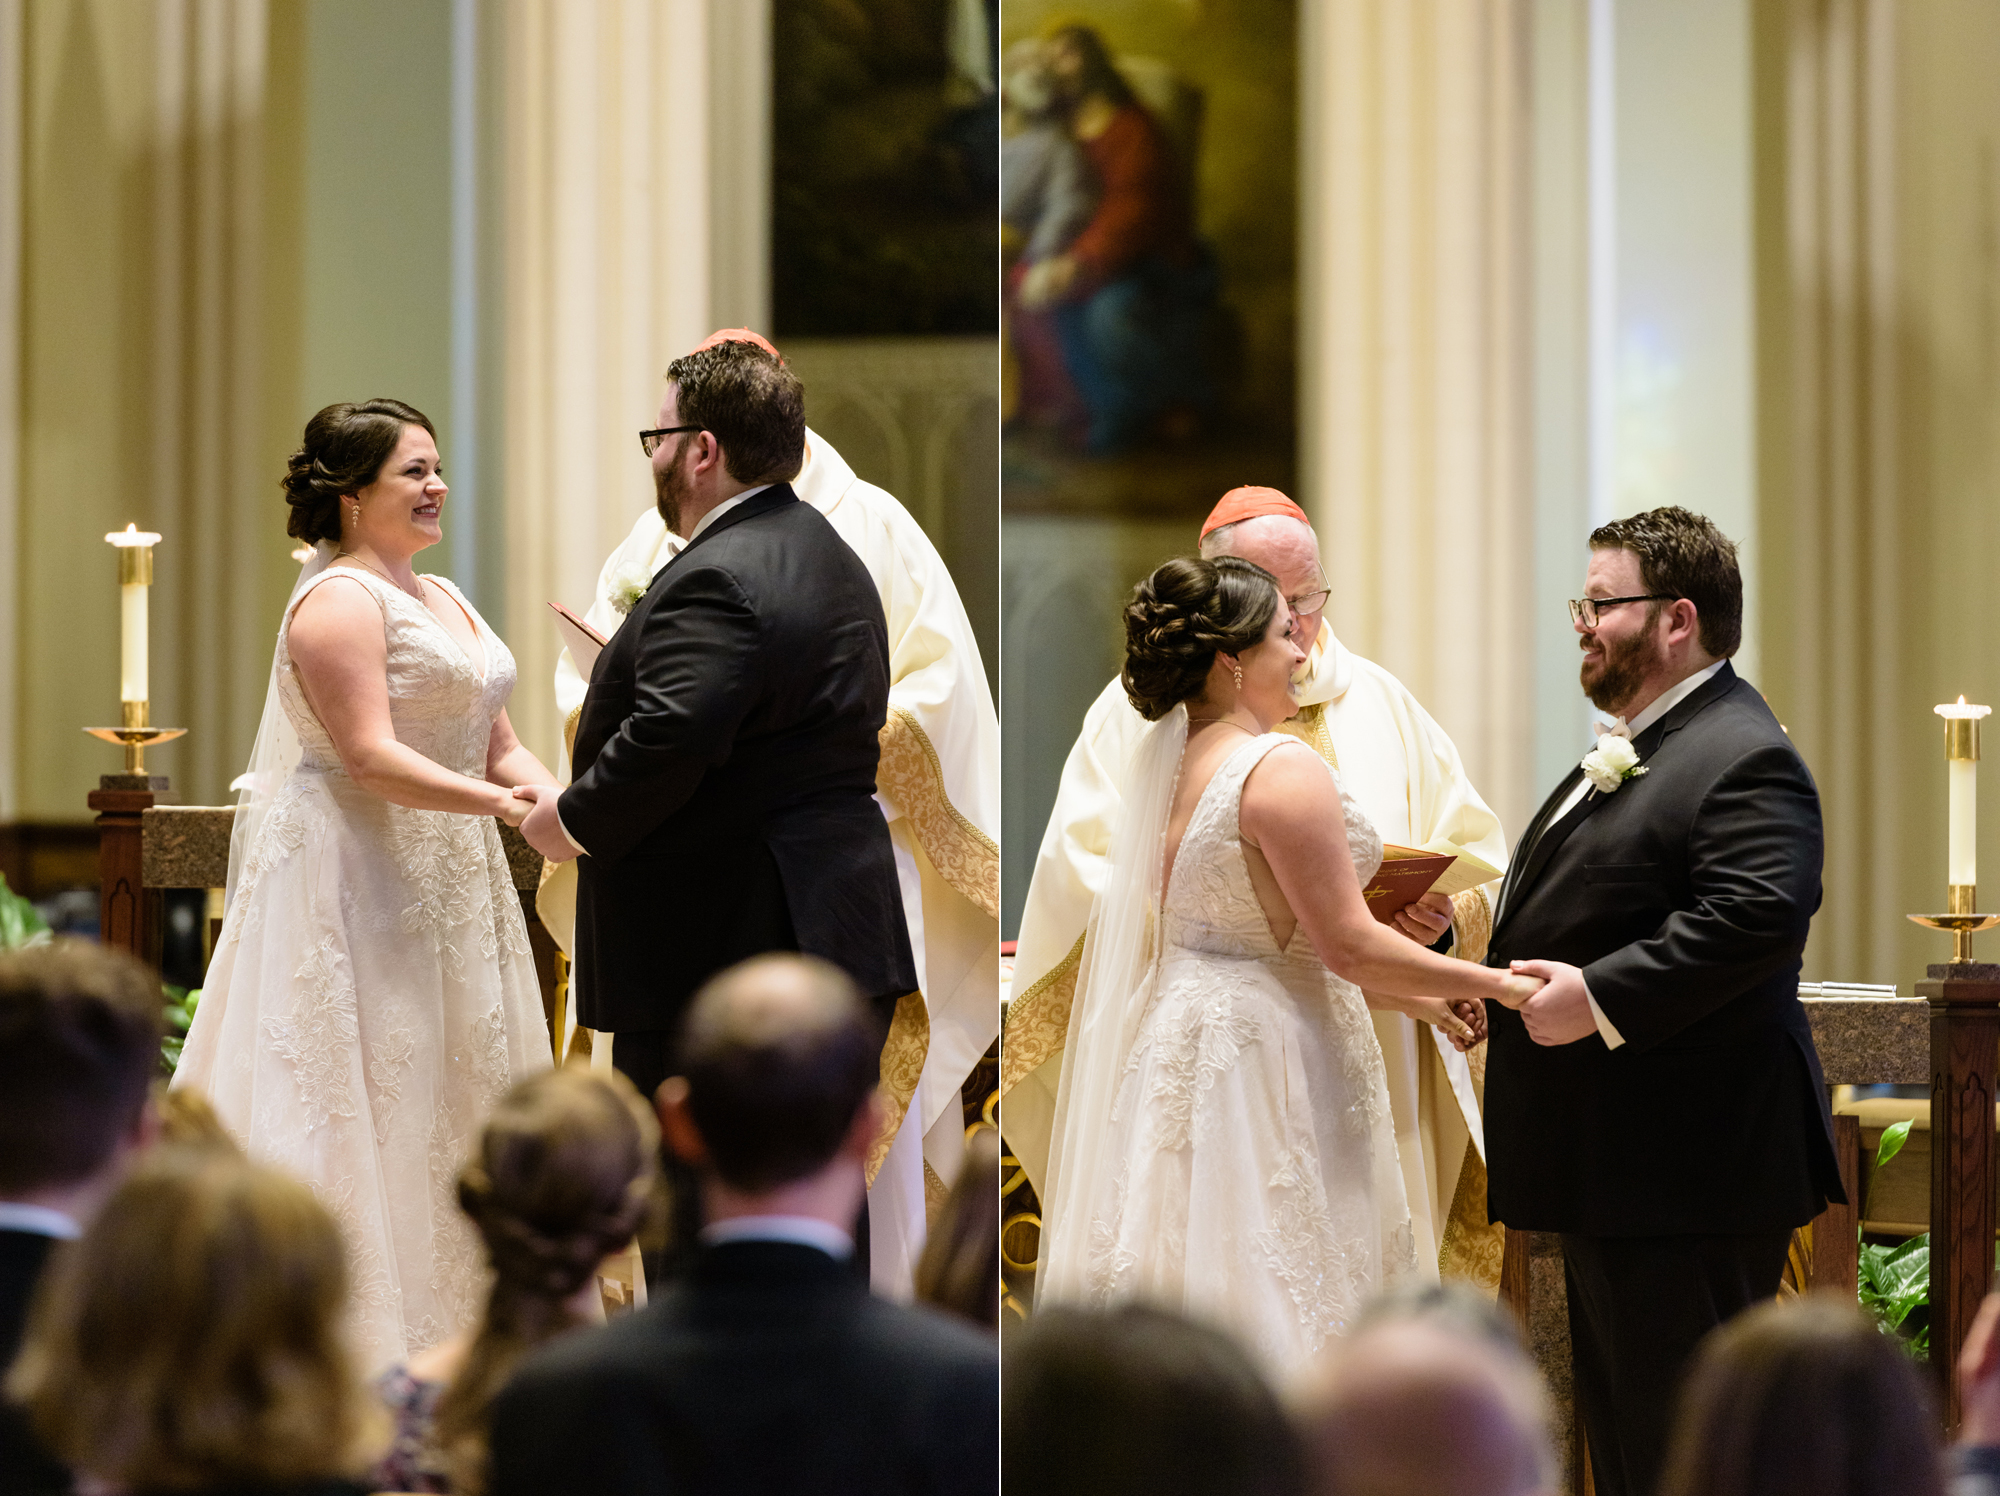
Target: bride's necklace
x,y
356,556
1203,721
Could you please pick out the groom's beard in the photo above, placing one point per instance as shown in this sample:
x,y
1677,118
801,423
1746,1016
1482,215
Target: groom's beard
x,y
670,492
1611,683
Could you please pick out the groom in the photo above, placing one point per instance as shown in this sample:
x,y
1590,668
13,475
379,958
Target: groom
x,y
1659,1102
724,767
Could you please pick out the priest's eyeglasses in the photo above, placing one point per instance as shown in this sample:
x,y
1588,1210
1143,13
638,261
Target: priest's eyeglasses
x,y
649,441
1309,602
1583,611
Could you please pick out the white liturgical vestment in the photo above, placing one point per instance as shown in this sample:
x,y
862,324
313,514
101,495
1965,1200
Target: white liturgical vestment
x,y
1406,774
939,788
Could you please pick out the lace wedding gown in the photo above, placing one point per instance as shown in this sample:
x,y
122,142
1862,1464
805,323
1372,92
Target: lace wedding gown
x,y
372,993
1253,1178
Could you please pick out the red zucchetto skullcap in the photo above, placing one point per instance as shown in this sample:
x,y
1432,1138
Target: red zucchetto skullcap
x,y
737,335
1248,503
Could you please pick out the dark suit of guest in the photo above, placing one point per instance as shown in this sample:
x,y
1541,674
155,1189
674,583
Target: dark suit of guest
x,y
767,1369
725,780
1676,1165
26,1469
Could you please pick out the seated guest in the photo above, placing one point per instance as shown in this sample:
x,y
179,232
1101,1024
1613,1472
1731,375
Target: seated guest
x,y
1136,1401
188,1120
79,1041
565,1170
1975,1456
960,1268
1805,1398
767,1366
190,1341
1430,1395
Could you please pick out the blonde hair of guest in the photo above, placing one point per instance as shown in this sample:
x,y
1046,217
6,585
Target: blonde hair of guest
x,y
567,1168
193,1336
960,1267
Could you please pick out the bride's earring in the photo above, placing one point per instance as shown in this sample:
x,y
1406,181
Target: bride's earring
x,y
1238,670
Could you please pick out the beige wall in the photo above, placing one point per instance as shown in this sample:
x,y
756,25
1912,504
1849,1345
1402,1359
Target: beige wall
x,y
152,382
1878,193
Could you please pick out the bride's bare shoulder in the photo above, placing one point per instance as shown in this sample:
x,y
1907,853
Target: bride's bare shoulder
x,y
1286,786
338,612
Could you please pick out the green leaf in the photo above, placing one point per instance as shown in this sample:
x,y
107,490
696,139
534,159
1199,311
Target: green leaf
x,y
20,924
1893,1137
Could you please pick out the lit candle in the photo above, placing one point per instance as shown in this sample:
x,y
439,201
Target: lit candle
x,y
135,577
1961,751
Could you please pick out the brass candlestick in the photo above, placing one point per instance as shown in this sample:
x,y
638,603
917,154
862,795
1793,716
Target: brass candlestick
x,y
1961,752
136,735
135,580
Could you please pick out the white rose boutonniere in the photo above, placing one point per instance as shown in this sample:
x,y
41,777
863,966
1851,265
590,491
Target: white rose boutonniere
x,y
1611,763
628,585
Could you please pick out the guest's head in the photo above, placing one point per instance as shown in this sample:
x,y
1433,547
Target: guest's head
x,y
1978,1373
1803,1398
1684,569
1430,1395
1265,527
367,475
192,1338
565,1170
79,1045
1136,1401
745,411
189,1120
960,1268
1213,634
775,1102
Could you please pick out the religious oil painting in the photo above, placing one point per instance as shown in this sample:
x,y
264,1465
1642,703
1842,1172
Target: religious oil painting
x,y
1148,230
882,171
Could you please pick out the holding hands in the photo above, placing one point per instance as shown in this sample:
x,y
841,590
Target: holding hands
x,y
1557,1009
538,821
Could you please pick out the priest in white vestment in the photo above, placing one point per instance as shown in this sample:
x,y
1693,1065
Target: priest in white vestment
x,y
1406,774
939,788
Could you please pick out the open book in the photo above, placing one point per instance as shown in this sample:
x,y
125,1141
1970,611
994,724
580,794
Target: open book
x,y
1408,873
583,641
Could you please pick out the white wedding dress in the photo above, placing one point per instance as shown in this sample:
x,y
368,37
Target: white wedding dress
x,y
1246,1173
372,993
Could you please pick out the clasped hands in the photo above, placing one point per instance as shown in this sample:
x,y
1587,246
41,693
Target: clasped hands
x,y
533,810
1549,995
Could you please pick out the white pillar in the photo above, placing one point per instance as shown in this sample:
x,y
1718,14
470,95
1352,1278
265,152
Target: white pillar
x,y
1414,422
611,259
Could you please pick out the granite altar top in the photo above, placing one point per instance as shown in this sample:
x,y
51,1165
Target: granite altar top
x,y
1866,1041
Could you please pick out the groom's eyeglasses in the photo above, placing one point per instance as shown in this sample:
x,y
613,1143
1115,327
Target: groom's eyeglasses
x,y
1583,611
649,441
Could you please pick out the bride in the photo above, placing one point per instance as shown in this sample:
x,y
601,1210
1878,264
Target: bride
x,y
1223,1140
372,992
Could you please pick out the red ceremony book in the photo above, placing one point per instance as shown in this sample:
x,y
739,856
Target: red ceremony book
x,y
1406,875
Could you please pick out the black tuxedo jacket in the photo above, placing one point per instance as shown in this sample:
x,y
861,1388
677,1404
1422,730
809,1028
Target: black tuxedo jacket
x,y
725,773
1685,896
26,1469
768,1368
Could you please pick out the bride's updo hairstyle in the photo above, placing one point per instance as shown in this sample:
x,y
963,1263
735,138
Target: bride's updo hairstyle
x,y
345,447
1181,617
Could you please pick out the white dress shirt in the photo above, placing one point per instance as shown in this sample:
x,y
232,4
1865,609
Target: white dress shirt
x,y
803,1231
1665,702
37,1220
701,524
